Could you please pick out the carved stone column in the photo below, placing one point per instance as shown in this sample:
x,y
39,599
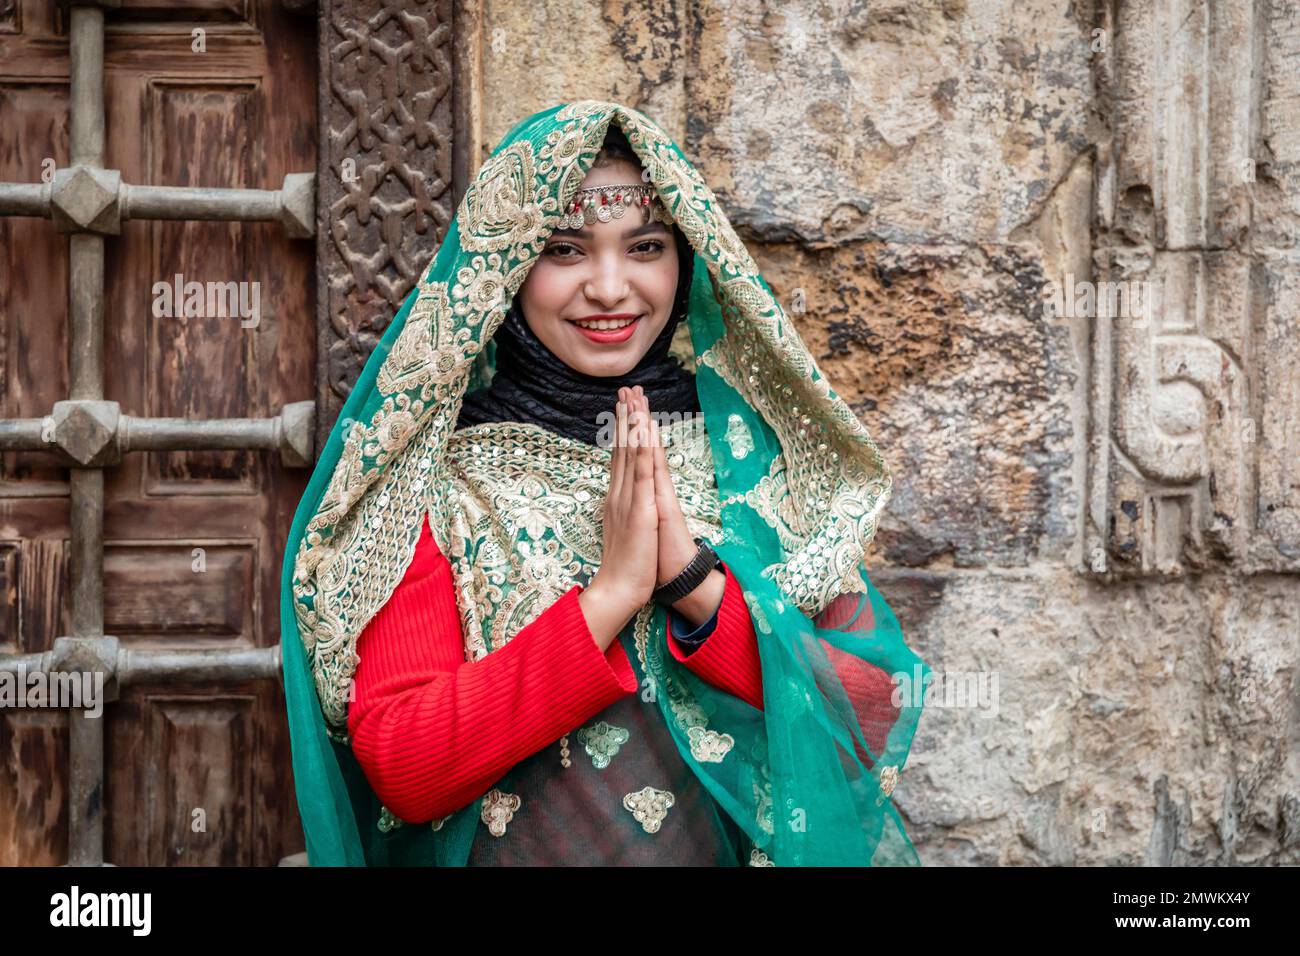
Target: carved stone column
x,y
1194,455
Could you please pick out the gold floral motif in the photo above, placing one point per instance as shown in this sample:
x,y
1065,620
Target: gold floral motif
x,y
758,858
499,809
738,437
706,745
436,825
796,700
582,109
756,612
388,821
480,292
426,352
602,742
888,780
649,807
500,207
528,523
709,746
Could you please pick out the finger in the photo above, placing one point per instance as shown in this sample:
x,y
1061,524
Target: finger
x,y
629,449
662,477
645,463
650,429
643,405
618,457
635,422
660,471
644,409
651,418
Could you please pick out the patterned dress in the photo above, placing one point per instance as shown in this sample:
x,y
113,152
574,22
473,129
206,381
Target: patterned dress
x,y
611,790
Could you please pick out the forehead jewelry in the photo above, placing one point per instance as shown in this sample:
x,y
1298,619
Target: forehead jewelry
x,y
603,203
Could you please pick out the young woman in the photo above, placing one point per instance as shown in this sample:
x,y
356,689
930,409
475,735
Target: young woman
x,y
552,597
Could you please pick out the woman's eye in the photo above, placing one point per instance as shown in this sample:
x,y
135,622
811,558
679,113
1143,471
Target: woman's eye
x,y
565,250
554,250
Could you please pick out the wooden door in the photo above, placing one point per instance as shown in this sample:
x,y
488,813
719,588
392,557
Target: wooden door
x,y
150,463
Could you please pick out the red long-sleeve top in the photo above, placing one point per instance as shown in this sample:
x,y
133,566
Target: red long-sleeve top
x,y
433,731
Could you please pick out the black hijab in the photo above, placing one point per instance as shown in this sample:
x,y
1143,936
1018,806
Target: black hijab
x,y
531,384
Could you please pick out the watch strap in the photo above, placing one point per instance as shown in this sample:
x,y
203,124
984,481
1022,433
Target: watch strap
x,y
690,577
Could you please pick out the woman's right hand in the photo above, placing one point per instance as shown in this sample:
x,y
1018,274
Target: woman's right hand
x,y
629,561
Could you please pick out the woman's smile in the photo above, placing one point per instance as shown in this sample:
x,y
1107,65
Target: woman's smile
x,y
604,328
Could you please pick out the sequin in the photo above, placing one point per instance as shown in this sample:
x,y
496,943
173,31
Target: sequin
x,y
888,780
709,746
499,809
649,807
602,741
738,437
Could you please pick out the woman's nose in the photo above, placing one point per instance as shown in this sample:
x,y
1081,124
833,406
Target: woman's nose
x,y
608,286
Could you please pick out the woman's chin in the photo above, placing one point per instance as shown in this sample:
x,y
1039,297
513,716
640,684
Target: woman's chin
x,y
604,366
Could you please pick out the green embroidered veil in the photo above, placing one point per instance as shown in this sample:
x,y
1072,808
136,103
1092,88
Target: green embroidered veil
x,y
795,491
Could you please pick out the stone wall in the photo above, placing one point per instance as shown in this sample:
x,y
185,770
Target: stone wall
x,y
1096,509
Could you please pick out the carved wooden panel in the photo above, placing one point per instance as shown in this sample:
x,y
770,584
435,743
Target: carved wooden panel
x,y
384,184
211,589
207,791
33,787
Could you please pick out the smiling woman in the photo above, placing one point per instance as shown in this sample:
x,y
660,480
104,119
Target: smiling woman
x,y
476,575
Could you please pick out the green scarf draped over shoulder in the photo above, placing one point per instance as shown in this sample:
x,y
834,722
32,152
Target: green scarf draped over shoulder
x,y
780,473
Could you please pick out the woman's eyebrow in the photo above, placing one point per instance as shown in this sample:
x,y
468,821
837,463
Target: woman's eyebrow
x,y
649,227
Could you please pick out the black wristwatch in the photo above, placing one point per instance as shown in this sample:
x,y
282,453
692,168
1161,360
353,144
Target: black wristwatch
x,y
705,560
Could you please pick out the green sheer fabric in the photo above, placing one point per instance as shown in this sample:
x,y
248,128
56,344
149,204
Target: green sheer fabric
x,y
780,475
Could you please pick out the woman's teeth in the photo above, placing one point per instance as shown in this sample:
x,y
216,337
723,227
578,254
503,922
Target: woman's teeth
x,y
605,324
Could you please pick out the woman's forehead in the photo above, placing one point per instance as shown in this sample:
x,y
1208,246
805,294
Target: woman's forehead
x,y
618,171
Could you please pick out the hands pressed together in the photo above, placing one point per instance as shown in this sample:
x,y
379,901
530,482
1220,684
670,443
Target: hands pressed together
x,y
646,539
